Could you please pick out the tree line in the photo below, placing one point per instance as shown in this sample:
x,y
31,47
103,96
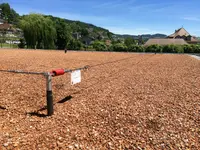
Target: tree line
x,y
122,47
48,32
9,14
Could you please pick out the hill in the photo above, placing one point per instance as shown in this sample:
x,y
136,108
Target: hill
x,y
82,29
144,36
85,29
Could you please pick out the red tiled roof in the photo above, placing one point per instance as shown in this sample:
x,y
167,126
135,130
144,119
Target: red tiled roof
x,y
5,26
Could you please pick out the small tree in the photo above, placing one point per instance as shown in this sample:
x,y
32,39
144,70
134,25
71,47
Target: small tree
x,y
195,49
154,48
136,48
119,47
63,34
74,45
129,41
99,46
38,31
22,43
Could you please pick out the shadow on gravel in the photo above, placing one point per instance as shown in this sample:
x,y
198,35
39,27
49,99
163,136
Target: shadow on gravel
x,y
65,99
3,108
36,113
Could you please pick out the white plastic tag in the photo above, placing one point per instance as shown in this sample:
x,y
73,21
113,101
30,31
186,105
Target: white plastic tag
x,y
75,77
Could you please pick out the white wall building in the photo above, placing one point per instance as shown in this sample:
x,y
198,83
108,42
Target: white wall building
x,y
1,20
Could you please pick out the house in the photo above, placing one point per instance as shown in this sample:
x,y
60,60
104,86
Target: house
x,y
8,32
6,28
1,21
183,34
179,37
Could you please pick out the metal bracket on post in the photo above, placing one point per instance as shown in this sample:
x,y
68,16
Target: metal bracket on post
x,y
49,94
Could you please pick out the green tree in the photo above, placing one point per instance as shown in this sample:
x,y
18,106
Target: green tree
x,y
74,44
38,31
129,41
135,48
173,48
63,34
154,48
109,34
119,47
100,46
9,14
5,11
84,32
22,43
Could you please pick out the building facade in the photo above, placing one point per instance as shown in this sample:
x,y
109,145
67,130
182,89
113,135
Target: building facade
x,y
183,34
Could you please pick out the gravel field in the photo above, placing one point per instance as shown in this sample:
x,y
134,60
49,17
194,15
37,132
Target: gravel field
x,y
125,101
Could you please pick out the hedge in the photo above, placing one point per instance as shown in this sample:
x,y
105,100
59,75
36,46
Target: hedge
x,y
120,47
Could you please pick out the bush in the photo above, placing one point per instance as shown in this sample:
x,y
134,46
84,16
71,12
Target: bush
x,y
22,43
173,49
154,48
110,48
188,48
119,47
90,48
135,48
99,46
166,49
74,45
179,49
195,48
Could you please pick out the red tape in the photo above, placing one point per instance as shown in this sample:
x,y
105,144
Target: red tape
x,y
58,72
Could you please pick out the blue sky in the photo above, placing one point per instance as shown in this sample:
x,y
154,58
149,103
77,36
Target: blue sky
x,y
121,16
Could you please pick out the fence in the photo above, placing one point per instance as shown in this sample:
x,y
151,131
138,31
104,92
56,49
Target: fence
x,y
48,76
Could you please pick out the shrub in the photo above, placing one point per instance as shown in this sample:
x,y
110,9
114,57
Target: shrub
x,y
74,45
195,48
22,43
110,48
119,47
135,48
154,48
166,49
179,49
188,48
90,48
99,46
173,49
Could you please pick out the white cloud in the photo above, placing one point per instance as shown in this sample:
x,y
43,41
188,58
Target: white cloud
x,y
191,18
